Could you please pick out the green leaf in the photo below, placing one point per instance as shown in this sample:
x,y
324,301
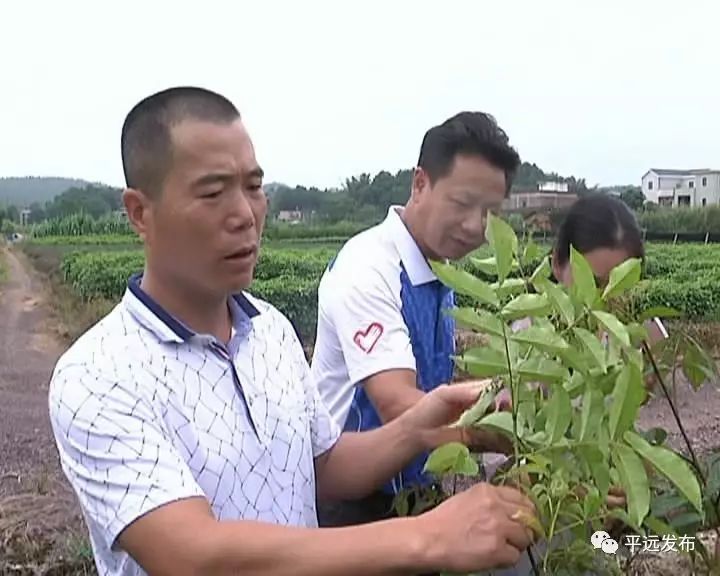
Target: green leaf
x,y
623,278
658,527
667,503
537,439
480,320
626,519
713,476
542,338
634,481
483,362
509,287
635,356
592,501
658,312
542,461
531,252
473,414
526,305
487,266
526,411
575,386
464,283
592,344
583,279
503,242
598,465
541,274
613,326
559,414
453,457
627,397
591,415
670,465
698,366
604,439
689,522
540,369
560,302
638,334
501,421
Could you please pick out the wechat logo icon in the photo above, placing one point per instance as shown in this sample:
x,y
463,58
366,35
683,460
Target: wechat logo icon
x,y
603,541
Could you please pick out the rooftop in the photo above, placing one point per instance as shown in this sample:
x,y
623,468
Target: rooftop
x,y
672,172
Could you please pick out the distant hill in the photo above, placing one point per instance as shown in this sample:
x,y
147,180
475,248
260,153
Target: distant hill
x,y
22,192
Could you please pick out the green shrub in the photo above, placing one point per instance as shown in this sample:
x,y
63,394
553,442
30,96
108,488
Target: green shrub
x,y
684,277
286,279
82,225
293,296
681,220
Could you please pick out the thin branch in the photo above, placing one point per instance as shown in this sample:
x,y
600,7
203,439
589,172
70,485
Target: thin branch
x,y
676,415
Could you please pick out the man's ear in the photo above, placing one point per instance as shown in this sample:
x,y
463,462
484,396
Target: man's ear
x,y
420,184
137,207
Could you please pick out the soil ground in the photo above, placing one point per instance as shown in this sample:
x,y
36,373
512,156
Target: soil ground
x,y
41,530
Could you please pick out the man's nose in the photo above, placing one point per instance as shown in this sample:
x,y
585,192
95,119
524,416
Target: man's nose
x,y
241,214
474,223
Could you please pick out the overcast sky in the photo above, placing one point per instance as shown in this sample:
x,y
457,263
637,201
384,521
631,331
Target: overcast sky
x,y
602,90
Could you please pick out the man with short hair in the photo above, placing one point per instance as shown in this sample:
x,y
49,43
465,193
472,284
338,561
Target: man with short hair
x,y
383,338
186,419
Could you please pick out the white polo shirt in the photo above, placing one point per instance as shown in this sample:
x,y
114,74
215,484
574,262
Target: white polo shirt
x,y
380,307
146,412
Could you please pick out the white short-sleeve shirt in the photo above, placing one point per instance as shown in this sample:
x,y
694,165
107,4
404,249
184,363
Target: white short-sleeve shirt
x,y
146,412
380,307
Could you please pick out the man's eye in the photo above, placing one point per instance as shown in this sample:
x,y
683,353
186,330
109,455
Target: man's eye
x,y
212,194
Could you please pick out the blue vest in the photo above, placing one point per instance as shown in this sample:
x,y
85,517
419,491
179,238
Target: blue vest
x,y
432,335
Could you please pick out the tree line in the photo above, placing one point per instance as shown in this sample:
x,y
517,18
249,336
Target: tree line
x,y
361,199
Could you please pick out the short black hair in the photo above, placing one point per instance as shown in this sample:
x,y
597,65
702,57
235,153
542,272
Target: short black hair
x,y
599,221
473,133
146,144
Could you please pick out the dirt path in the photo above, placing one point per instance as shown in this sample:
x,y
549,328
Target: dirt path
x,y
37,507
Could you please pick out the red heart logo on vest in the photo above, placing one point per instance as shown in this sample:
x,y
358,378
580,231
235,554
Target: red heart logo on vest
x,y
367,339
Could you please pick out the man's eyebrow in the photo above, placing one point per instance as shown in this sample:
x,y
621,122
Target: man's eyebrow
x,y
213,177
223,176
256,172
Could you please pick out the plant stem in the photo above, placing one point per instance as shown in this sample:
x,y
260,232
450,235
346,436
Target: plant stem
x,y
533,564
513,397
676,415
551,533
516,449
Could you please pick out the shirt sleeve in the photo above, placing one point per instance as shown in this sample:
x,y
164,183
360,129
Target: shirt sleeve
x,y
373,336
113,450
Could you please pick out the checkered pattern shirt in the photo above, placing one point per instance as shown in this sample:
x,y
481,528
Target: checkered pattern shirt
x,y
147,412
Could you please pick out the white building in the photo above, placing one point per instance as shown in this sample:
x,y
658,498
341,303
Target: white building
x,y
561,187
682,187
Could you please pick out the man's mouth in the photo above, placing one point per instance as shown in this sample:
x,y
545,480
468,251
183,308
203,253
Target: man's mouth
x,y
242,254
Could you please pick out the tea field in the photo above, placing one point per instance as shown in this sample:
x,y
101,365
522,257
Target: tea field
x,y
683,276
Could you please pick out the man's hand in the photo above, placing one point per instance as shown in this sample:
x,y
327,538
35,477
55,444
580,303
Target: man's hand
x,y
430,417
482,528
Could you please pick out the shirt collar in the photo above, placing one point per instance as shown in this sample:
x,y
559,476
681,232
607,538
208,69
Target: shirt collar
x,y
166,327
413,260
